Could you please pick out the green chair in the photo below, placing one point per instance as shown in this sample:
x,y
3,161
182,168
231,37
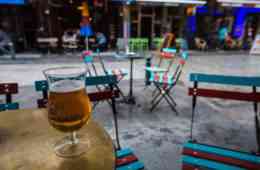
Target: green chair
x,y
138,44
8,89
157,42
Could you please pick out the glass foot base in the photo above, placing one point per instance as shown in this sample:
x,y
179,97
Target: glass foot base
x,y
67,148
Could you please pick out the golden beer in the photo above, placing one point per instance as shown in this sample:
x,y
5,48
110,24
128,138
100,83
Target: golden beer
x,y
69,106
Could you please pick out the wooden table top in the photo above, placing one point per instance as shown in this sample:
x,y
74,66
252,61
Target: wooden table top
x,y
27,139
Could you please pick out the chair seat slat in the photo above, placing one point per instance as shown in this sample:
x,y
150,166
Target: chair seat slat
x,y
41,85
9,106
223,152
222,159
8,88
104,95
226,80
134,166
209,164
100,80
224,94
190,167
123,152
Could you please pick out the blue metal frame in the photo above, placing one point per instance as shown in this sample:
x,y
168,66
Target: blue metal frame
x,y
13,2
239,12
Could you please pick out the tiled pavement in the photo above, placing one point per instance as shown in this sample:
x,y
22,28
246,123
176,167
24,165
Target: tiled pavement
x,y
157,136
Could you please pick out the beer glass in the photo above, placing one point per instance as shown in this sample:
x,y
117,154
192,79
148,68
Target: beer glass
x,y
69,107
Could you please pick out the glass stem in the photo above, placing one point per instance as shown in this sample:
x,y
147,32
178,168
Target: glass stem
x,y
73,138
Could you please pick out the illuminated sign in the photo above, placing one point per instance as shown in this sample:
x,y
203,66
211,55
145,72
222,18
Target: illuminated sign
x,y
256,46
198,2
12,2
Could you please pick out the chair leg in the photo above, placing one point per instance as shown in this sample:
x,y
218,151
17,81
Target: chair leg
x,y
158,100
154,91
156,97
164,93
171,105
121,93
94,105
171,98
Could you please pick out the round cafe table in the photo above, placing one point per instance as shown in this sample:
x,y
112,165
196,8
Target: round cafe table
x,y
27,139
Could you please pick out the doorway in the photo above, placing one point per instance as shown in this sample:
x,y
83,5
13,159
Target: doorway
x,y
146,28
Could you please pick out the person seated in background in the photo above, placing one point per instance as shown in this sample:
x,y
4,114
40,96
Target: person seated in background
x,y
6,45
222,34
101,42
200,43
69,40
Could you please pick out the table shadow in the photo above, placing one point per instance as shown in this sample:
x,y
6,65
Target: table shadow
x,y
5,135
80,163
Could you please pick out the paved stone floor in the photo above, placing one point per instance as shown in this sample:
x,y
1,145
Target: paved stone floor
x,y
157,136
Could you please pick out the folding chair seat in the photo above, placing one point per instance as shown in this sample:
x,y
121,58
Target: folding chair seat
x,y
120,73
127,160
8,89
164,82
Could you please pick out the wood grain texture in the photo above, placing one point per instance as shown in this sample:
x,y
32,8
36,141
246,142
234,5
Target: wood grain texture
x,y
27,139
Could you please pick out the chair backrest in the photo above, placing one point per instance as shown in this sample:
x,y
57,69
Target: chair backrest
x,y
8,89
211,92
167,41
167,78
252,82
88,59
42,86
182,61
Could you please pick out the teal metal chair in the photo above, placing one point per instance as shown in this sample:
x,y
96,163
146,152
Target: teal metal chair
x,y
8,89
197,155
125,158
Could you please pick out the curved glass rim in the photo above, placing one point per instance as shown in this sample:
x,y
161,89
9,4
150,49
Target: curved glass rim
x,y
64,71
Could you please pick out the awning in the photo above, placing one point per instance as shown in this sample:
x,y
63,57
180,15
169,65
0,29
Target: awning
x,y
239,3
12,2
194,2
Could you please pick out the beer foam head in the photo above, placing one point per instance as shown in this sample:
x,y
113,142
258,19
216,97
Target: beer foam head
x,y
64,86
